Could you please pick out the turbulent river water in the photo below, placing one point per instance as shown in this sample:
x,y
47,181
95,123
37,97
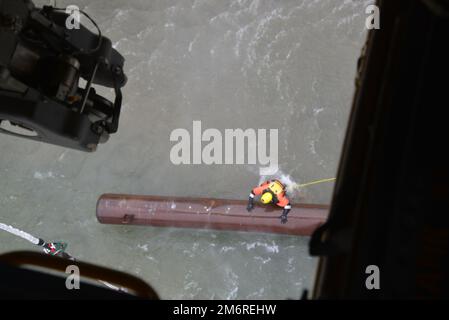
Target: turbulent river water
x,y
274,64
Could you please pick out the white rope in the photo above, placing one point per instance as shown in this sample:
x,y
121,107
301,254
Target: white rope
x,y
34,240
19,233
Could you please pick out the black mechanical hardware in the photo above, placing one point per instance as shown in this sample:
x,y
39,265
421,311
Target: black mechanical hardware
x,y
41,64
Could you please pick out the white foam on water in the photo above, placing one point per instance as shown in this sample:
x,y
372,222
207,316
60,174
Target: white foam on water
x,y
151,258
233,294
256,294
62,156
261,259
271,248
290,183
143,247
233,283
226,249
44,175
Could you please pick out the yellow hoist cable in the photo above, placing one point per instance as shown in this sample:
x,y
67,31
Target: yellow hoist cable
x,y
314,182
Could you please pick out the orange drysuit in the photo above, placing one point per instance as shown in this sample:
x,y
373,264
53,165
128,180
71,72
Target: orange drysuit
x,y
277,189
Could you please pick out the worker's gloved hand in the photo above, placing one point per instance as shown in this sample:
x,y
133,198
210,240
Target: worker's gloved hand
x,y
283,218
250,205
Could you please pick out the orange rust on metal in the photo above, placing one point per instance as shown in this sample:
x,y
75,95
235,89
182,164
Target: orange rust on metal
x,y
206,213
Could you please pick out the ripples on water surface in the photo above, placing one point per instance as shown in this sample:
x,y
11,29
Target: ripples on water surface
x,y
288,65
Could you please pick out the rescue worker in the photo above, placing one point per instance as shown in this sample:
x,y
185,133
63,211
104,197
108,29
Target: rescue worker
x,y
271,191
55,249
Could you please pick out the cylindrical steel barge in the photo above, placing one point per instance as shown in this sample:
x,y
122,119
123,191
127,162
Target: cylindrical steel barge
x,y
206,213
